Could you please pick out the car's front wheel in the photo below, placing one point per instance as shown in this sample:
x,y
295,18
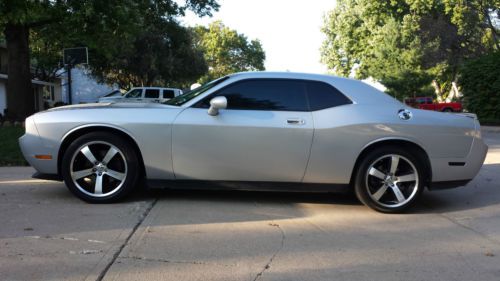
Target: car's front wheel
x,y
389,179
100,167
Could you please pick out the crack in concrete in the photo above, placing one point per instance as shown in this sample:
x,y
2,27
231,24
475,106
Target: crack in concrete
x,y
456,222
268,264
174,261
122,246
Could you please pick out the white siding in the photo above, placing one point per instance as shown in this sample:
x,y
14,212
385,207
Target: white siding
x,y
3,97
84,87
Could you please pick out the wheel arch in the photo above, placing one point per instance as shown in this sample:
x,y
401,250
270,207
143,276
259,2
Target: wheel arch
x,y
415,148
82,130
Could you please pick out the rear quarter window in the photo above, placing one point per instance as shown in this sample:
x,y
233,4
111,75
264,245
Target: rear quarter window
x,y
322,95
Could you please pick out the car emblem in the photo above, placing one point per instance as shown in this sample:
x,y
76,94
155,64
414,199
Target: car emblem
x,y
405,114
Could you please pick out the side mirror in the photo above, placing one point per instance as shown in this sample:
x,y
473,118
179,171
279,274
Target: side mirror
x,y
216,104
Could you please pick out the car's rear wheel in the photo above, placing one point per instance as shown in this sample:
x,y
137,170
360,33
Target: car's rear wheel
x,y
447,109
389,179
100,167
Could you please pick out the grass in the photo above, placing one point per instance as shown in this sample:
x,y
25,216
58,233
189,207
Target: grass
x,y
10,153
489,122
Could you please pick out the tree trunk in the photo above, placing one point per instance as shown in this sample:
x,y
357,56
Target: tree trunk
x,y
20,97
437,90
454,92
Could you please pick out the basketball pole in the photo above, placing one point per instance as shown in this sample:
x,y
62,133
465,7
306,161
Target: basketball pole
x,y
70,95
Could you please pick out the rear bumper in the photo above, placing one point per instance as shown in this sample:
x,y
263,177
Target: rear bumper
x,y
456,172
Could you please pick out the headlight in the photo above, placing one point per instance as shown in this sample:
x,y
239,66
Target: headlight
x,y
30,126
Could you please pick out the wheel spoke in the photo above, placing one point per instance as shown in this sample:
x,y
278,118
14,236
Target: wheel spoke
x,y
81,174
115,174
109,155
376,173
86,151
394,164
399,195
380,192
98,184
409,177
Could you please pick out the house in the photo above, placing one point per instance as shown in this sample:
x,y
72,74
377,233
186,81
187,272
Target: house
x,y
85,89
46,92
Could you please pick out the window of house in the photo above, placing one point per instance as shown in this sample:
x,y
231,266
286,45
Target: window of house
x,y
48,92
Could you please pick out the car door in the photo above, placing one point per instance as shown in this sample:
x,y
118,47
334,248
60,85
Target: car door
x,y
152,95
133,95
265,134
168,94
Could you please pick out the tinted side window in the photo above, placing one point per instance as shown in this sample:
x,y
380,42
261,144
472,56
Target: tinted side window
x,y
152,93
263,94
136,93
421,100
322,95
168,94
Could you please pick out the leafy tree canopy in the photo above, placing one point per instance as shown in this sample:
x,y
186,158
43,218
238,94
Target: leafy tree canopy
x,y
227,51
118,33
480,83
407,44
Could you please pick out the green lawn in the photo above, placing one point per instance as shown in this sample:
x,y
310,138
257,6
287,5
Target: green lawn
x,y
10,153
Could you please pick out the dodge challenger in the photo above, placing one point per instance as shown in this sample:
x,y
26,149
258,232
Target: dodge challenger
x,y
262,131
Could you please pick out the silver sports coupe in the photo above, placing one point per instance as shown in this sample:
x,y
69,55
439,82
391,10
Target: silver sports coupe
x,y
258,130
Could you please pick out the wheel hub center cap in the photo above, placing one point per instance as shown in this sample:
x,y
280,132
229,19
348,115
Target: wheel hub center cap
x,y
390,180
100,168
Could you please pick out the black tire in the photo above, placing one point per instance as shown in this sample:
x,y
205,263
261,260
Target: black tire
x,y
117,178
447,109
367,188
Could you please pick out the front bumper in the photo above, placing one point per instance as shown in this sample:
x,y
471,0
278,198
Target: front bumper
x,y
31,144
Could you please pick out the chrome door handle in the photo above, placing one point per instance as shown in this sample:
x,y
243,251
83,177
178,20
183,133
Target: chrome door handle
x,y
295,121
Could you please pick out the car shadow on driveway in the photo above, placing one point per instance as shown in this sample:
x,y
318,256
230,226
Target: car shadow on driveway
x,y
482,192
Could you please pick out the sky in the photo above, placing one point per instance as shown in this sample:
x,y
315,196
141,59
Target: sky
x,y
289,30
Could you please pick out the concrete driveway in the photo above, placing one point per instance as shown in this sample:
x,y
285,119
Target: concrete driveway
x,y
47,234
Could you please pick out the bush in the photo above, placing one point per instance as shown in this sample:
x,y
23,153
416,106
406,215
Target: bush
x,y
480,81
10,153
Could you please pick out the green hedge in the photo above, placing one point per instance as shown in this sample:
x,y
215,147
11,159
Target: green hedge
x,y
10,153
480,81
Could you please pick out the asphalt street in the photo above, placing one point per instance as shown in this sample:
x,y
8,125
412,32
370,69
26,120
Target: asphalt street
x,y
48,234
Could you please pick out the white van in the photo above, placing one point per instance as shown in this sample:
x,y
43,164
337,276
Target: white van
x,y
145,94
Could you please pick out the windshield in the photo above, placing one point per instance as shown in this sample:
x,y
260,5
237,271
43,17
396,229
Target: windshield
x,y
114,93
189,95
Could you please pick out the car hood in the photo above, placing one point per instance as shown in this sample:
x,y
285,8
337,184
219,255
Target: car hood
x,y
110,105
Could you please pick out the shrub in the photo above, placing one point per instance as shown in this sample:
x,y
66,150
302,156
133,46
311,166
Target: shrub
x,y
480,81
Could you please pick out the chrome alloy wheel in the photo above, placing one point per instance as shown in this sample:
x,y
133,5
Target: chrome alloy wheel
x,y
392,181
98,169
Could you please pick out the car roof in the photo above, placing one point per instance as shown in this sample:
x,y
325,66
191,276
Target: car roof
x,y
154,88
356,90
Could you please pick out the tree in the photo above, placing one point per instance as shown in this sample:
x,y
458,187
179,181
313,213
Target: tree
x,y
408,45
105,27
163,52
226,51
481,87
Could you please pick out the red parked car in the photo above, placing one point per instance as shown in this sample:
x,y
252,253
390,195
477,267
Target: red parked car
x,y
427,103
